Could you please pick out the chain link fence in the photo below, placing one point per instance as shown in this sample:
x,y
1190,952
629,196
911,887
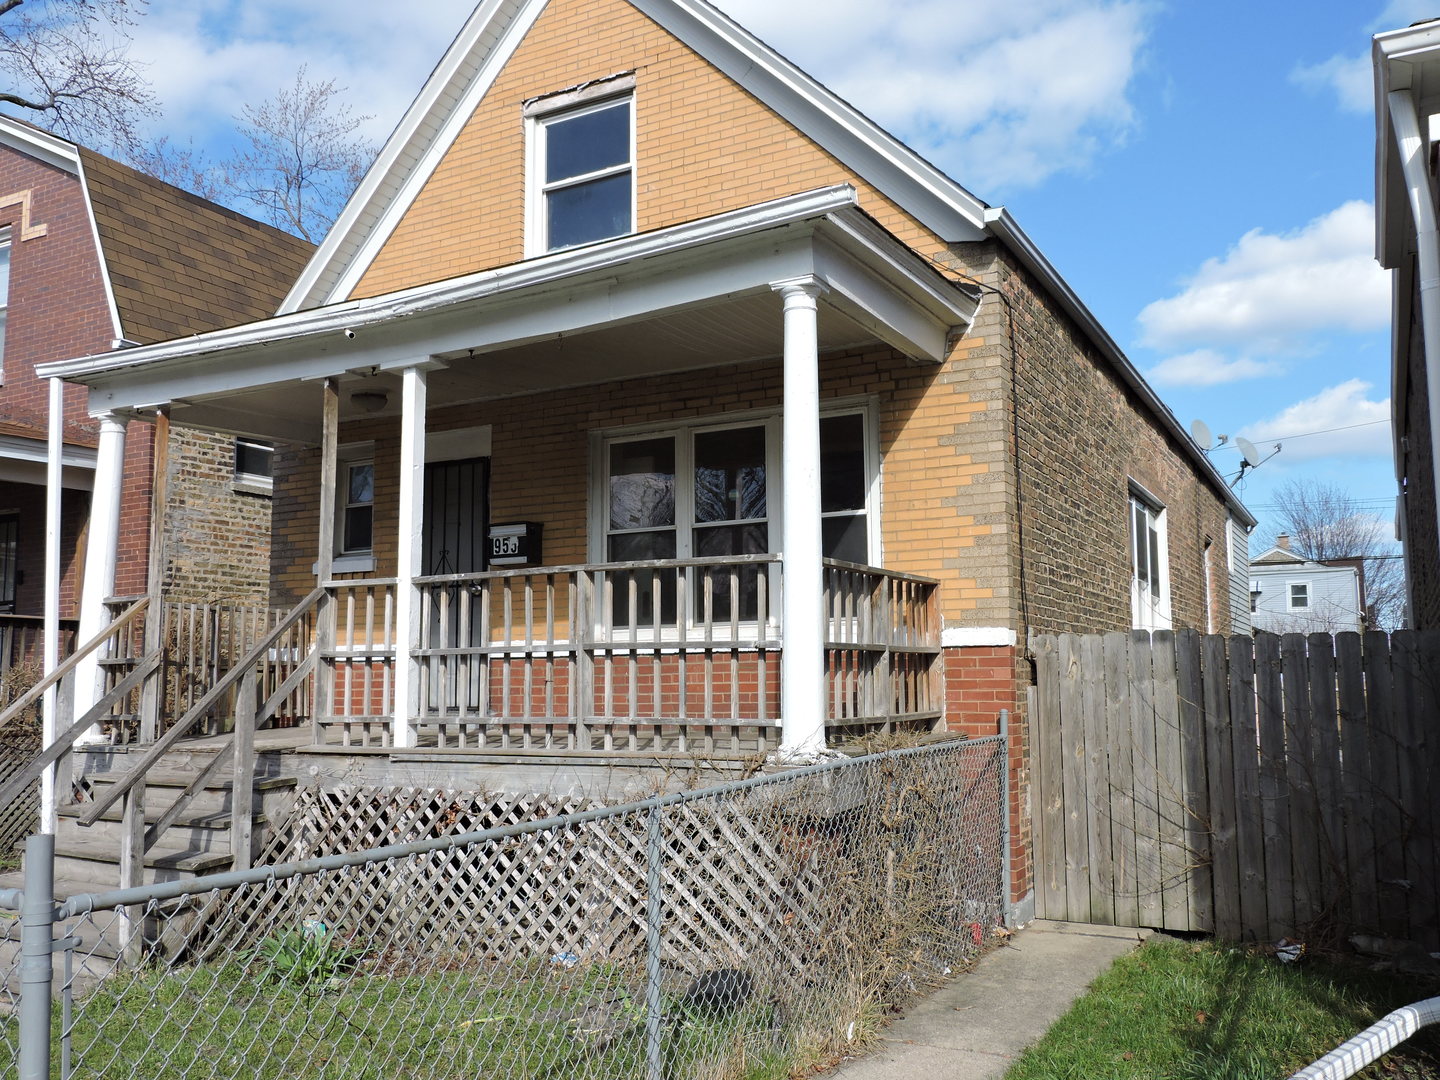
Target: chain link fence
x,y
735,932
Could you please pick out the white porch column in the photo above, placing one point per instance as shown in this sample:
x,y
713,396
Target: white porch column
x,y
411,518
802,674
50,650
100,558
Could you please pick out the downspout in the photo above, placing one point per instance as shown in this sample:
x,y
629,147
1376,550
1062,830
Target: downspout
x,y
1411,144
50,650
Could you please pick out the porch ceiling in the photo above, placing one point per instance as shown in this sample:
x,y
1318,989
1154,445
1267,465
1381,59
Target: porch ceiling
x,y
697,295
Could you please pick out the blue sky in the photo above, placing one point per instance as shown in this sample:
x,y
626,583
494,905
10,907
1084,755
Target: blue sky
x,y
1201,173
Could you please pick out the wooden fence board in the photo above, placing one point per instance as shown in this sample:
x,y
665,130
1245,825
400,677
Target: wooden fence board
x,y
1174,859
1194,791
1261,787
1147,783
1274,797
1329,792
1299,767
1383,784
1076,796
1097,781
1219,767
1357,799
1249,809
1050,821
1118,679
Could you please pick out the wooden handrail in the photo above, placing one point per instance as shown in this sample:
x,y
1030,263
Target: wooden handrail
x,y
200,708
33,694
63,741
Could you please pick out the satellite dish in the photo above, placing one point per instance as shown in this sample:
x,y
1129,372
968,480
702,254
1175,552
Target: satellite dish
x,y
1247,451
1200,432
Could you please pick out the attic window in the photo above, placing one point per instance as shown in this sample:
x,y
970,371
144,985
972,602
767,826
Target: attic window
x,y
582,176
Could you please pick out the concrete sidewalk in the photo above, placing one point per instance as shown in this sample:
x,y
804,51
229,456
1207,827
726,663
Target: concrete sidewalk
x,y
976,1026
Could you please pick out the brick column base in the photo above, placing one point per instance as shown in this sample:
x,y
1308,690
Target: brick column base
x,y
980,681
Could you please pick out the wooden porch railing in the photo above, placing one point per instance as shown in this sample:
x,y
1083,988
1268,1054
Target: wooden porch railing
x,y
678,654
22,638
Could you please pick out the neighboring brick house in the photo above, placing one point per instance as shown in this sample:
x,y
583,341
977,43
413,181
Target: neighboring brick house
x,y
667,299
1291,594
1407,97
97,256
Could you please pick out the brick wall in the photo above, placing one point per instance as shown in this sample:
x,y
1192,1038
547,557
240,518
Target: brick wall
x,y
217,539
703,146
27,501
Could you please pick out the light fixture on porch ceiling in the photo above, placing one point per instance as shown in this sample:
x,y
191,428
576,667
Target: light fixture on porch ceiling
x,y
369,401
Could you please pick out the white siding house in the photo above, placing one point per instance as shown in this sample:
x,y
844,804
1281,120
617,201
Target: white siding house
x,y
1291,594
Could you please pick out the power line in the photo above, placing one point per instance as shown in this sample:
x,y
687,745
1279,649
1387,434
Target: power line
x,y
1323,431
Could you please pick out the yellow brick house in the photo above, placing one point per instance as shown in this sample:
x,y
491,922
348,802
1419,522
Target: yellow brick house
x,y
646,394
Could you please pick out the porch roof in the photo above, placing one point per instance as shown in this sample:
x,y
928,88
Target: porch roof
x,y
690,296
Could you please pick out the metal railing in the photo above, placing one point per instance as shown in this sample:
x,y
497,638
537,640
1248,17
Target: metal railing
x,y
763,925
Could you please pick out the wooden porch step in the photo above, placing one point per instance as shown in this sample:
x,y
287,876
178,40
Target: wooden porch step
x,y
162,863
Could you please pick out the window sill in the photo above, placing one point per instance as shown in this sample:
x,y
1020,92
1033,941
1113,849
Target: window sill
x,y
246,485
349,564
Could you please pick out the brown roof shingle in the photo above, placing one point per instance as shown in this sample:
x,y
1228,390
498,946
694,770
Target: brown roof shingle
x,y
179,264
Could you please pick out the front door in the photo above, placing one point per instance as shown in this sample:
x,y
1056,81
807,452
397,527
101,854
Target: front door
x,y
454,540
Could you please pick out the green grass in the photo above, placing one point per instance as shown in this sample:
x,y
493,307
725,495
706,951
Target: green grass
x,y
1176,1010
521,1022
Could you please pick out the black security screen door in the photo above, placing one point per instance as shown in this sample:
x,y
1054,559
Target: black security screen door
x,y
457,516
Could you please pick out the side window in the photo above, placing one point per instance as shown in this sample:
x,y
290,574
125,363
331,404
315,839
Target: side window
x,y
254,465
1299,595
357,523
1149,577
582,175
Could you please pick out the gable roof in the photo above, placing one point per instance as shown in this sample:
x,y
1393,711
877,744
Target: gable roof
x,y
1278,556
179,264
491,35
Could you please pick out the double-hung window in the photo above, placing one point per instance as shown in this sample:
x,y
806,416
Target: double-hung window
x,y
582,174
1149,577
1299,596
707,491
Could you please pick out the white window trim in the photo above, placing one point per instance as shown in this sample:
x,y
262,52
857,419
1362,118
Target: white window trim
x,y
9,250
543,111
1290,604
351,562
253,483
1144,613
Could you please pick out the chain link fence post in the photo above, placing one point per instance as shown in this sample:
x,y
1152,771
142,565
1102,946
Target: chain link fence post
x,y
1007,907
654,913
37,952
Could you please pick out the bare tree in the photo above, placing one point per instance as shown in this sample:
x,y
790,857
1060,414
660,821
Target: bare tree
x,y
304,159
184,166
1327,525
67,62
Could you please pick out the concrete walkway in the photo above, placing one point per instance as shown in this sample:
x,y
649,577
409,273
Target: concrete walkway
x,y
976,1026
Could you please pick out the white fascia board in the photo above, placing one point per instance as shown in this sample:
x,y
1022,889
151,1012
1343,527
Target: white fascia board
x,y
48,148
1013,237
416,147
918,187
1402,60
361,315
19,448
117,331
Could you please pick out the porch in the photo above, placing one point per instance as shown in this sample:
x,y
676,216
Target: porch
x,y
664,656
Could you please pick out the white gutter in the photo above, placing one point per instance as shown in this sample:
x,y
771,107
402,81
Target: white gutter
x,y
1410,143
1378,1039
358,314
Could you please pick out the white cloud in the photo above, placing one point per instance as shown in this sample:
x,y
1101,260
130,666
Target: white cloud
x,y
1001,98
1351,77
1206,367
208,58
1272,293
1338,421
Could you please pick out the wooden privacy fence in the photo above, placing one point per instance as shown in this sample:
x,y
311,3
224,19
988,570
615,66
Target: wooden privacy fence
x,y
1255,788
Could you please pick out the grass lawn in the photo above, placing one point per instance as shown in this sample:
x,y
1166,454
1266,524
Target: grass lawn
x,y
1178,1010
